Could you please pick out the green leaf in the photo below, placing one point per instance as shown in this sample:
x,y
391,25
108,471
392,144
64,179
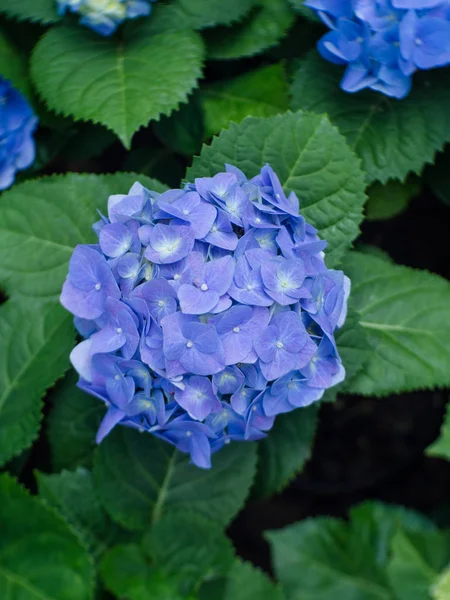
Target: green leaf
x,y
263,28
41,558
39,11
311,159
246,582
440,448
389,200
406,316
73,495
259,93
127,573
72,424
441,590
13,65
373,525
42,221
139,478
91,78
392,137
315,560
35,342
327,559
189,546
184,130
284,452
198,14
416,561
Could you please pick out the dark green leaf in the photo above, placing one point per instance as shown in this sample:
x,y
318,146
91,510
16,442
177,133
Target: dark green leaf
x,y
283,453
392,137
189,546
41,558
183,131
128,574
35,342
40,11
13,65
261,29
72,424
441,447
73,495
406,316
139,478
81,74
246,582
389,200
259,93
416,561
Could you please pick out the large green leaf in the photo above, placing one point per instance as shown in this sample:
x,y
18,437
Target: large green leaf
x,y
41,558
246,582
438,177
198,14
406,316
126,571
35,342
392,137
73,495
353,346
263,28
139,478
122,85
416,560
305,11
42,221
441,447
72,423
189,546
40,11
315,560
259,93
310,157
328,559
13,65
283,453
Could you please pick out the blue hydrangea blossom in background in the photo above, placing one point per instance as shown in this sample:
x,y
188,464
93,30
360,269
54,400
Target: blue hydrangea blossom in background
x,y
17,125
383,42
104,16
206,311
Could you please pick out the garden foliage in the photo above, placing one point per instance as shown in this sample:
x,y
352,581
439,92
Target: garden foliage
x,y
162,95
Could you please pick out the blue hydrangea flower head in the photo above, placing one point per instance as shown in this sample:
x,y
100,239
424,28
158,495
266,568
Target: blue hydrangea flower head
x,y
205,311
104,16
17,125
383,42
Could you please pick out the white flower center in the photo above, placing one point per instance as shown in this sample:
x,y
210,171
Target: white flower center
x,y
204,287
189,344
98,286
119,330
177,276
161,302
117,377
279,344
236,329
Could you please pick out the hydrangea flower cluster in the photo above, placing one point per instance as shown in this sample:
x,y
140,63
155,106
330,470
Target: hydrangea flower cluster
x,y
104,16
207,311
383,42
17,125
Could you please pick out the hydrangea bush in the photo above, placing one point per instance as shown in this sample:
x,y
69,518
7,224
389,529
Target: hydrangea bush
x,y
207,311
211,303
